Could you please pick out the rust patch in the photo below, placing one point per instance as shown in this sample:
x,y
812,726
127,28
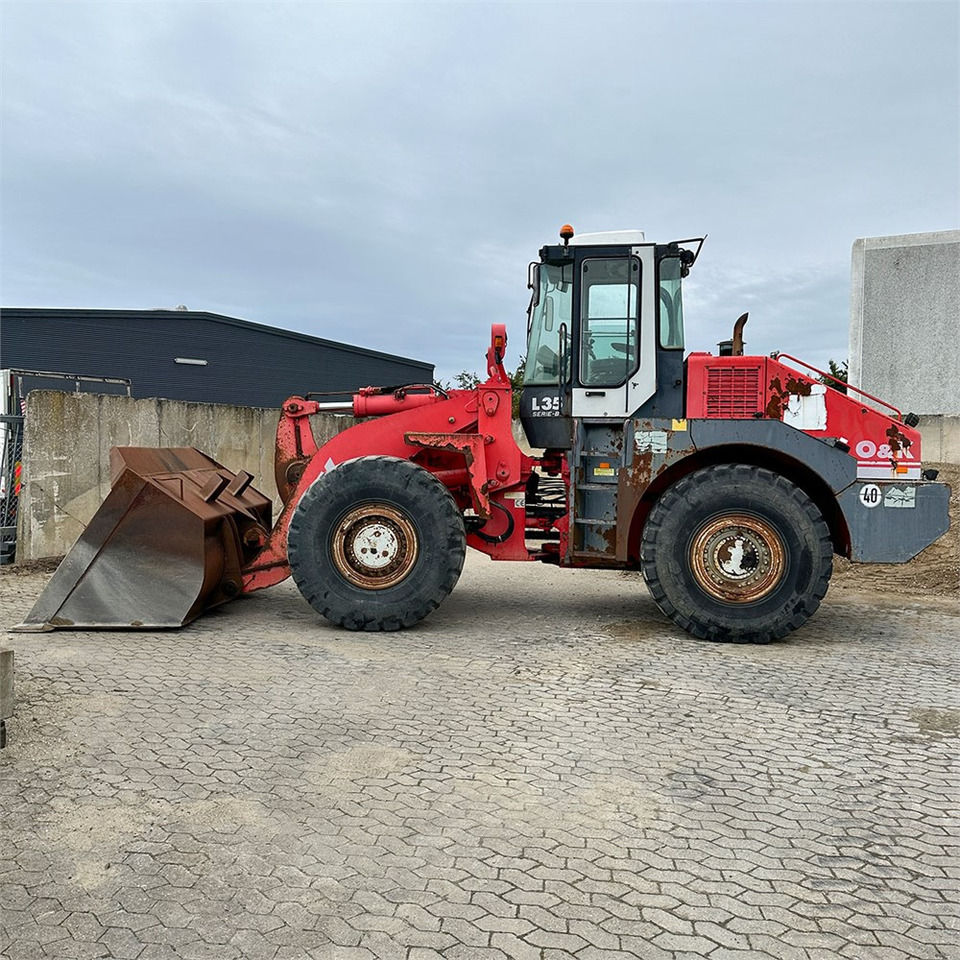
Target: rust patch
x,y
636,479
799,388
641,470
897,440
780,395
633,482
294,472
777,401
609,536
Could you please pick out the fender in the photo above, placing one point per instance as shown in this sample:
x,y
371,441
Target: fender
x,y
835,467
905,517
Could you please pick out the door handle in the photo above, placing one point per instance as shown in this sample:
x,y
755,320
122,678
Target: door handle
x,y
596,393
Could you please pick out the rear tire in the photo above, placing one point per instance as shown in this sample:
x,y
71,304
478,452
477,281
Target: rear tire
x,y
376,544
736,553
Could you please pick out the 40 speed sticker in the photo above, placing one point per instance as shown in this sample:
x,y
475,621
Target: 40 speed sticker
x,y
870,495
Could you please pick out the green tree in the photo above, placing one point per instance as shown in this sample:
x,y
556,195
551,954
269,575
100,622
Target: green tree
x,y
516,379
838,371
467,380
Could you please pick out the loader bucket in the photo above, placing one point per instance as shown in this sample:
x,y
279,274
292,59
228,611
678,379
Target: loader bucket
x,y
168,542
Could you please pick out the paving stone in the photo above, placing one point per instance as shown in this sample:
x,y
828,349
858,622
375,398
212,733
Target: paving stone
x,y
26,950
516,949
72,949
646,950
253,945
383,946
122,943
558,941
541,770
667,921
594,935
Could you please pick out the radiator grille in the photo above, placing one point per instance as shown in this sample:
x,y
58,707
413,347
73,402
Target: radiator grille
x,y
733,392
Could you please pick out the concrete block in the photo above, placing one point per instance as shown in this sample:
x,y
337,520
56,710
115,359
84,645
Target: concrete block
x,y
6,683
235,439
265,481
61,470
126,423
940,439
521,438
184,424
326,426
905,320
122,422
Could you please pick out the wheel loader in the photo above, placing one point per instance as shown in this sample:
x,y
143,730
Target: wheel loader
x,y
729,481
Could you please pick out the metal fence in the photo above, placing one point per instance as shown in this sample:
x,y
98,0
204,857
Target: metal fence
x,y
11,432
14,386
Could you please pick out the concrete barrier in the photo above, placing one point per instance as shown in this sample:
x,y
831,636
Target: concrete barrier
x,y
905,320
6,692
940,437
6,683
66,457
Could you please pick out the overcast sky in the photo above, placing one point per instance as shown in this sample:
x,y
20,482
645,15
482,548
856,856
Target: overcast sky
x,y
382,173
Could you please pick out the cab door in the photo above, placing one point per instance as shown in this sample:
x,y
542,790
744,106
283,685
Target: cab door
x,y
614,343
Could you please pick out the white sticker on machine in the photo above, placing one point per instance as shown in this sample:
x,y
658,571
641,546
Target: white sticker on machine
x,y
901,497
870,495
810,412
653,441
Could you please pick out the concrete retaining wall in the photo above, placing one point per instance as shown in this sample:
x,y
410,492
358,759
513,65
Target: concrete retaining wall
x,y
67,441
905,320
940,438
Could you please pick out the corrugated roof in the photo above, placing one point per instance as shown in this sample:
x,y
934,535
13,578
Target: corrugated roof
x,y
80,312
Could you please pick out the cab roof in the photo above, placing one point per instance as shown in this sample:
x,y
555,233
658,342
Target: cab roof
x,y
608,238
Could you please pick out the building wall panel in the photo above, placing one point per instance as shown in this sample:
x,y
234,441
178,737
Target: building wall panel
x,y
247,364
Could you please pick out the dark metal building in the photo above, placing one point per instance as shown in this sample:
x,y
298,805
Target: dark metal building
x,y
193,355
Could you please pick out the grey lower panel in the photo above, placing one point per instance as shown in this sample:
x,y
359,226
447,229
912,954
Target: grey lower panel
x,y
890,521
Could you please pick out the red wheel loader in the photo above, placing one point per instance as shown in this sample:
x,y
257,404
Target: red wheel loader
x,y
729,481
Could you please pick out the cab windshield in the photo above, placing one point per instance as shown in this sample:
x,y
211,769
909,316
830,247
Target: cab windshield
x,y
549,317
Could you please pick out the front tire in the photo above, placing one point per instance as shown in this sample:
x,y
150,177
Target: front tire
x,y
376,543
736,553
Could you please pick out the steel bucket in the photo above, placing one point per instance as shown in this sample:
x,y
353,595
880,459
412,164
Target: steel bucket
x,y
168,542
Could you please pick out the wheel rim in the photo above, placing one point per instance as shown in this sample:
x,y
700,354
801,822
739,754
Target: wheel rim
x,y
375,546
738,558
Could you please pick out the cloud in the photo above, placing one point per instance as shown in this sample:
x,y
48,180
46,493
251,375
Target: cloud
x,y
382,173
789,309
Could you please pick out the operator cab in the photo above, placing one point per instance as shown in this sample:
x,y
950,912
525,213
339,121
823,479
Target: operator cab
x,y
604,333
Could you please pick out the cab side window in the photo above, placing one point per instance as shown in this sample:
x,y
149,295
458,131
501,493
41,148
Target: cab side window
x,y
671,305
609,321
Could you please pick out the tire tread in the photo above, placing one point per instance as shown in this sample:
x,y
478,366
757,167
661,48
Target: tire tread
x,y
674,498
415,480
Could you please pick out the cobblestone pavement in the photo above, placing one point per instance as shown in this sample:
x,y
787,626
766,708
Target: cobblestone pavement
x,y
544,769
